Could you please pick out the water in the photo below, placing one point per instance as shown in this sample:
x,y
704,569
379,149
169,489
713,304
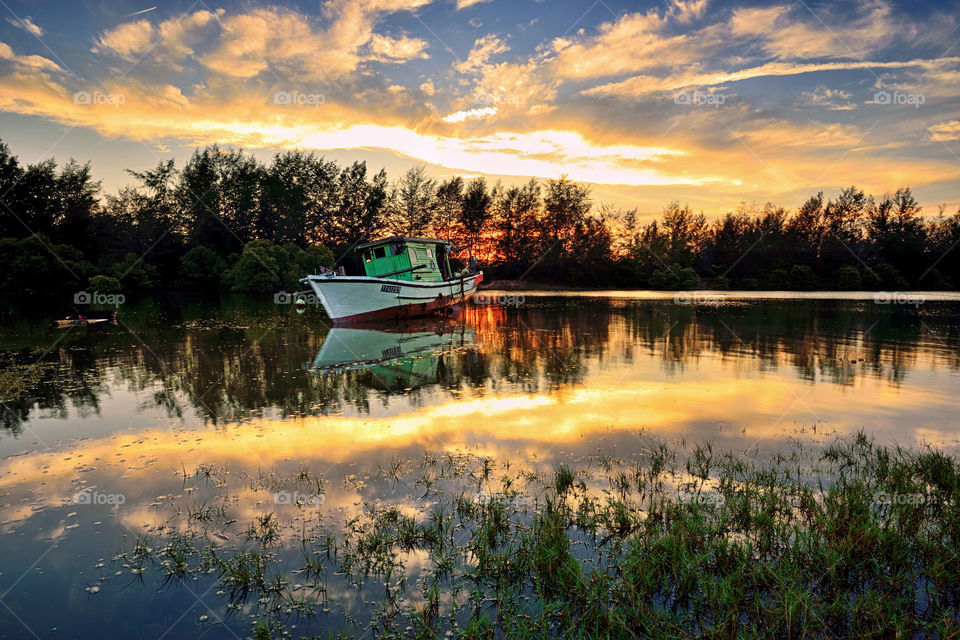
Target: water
x,y
194,417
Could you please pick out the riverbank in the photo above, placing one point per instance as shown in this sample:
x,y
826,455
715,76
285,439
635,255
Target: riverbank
x,y
850,539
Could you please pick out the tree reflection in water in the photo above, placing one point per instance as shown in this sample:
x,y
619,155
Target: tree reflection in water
x,y
240,358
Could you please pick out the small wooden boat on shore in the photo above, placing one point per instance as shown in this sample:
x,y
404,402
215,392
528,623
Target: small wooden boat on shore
x,y
86,319
393,279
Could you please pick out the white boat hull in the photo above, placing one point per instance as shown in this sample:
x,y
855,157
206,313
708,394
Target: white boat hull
x,y
349,299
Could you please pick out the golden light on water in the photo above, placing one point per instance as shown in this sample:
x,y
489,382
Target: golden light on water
x,y
716,399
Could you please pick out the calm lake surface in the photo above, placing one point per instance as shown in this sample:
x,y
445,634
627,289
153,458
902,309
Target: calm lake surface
x,y
194,418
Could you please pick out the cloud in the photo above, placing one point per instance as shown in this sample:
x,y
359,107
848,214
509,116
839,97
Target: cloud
x,y
831,99
945,131
168,44
779,134
352,23
397,49
27,25
749,163
799,32
246,44
463,4
483,49
250,43
660,40
512,86
687,10
152,113
128,41
179,37
519,108
638,86
460,116
29,63
516,87
633,43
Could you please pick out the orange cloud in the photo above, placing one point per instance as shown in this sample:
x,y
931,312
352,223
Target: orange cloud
x,y
28,63
27,25
799,32
127,41
632,43
483,49
945,131
393,49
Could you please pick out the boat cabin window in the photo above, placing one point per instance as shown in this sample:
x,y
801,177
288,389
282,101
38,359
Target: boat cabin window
x,y
375,253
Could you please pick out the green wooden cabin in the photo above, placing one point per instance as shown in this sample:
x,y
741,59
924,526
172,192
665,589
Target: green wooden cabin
x,y
414,259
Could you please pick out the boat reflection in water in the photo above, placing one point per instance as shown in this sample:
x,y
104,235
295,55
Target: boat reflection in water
x,y
399,356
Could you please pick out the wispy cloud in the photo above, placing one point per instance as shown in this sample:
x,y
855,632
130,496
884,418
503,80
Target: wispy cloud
x,y
27,25
945,131
29,62
826,98
483,49
798,32
646,85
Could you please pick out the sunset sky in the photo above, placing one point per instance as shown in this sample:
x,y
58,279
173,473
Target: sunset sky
x,y
702,101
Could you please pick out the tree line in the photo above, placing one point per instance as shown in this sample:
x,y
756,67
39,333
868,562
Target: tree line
x,y
226,220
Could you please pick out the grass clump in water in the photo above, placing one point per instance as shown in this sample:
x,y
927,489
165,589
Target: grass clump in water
x,y
851,540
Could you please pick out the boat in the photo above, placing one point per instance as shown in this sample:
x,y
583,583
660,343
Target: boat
x,y
86,319
393,279
397,357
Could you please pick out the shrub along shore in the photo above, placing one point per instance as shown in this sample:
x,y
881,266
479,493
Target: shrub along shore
x,y
851,539
225,220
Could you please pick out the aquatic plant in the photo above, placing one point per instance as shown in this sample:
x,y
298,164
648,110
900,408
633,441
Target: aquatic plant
x,y
849,540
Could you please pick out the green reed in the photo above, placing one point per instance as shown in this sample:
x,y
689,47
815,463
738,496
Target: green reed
x,y
848,540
